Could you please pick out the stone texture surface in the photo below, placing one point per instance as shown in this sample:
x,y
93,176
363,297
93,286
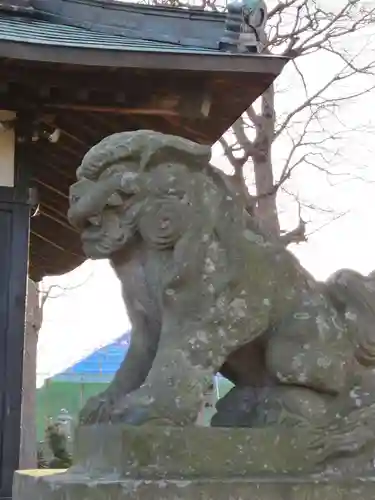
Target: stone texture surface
x,y
38,485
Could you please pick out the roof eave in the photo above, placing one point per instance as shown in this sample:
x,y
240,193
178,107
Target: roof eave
x,y
143,59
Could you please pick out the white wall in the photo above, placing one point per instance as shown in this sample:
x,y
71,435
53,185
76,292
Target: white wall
x,y
7,144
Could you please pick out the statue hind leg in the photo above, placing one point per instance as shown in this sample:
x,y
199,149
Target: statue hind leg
x,y
307,362
311,350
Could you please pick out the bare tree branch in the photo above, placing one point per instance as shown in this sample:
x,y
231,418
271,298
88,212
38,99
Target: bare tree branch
x,y
334,219
280,7
310,127
297,235
48,293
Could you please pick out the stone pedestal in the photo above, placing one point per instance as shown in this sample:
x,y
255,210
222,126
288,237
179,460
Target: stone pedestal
x,y
130,463
46,486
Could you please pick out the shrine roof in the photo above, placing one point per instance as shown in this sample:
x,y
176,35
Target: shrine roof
x,y
42,32
110,25
122,35
90,68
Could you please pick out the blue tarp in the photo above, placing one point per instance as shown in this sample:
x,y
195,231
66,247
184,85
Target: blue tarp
x,y
99,366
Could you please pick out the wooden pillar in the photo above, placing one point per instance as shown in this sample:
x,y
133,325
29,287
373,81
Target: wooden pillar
x,y
14,243
28,448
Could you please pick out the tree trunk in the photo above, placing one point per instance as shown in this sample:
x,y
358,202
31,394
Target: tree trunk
x,y
266,209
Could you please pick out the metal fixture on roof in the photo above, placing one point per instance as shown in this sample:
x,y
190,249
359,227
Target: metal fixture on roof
x,y
18,6
244,26
45,129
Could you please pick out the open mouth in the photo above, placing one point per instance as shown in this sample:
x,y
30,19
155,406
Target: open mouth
x,y
91,233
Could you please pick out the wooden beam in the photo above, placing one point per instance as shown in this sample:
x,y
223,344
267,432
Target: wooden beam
x,y
192,102
114,110
117,79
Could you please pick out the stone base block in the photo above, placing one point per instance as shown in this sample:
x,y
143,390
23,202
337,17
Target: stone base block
x,y
42,485
115,462
153,452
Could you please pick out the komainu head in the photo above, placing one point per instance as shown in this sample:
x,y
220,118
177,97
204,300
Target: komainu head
x,y
135,184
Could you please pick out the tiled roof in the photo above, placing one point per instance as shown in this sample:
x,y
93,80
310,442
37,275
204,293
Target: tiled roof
x,y
40,32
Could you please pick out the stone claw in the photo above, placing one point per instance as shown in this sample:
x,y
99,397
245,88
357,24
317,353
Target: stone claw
x,y
138,408
134,416
96,410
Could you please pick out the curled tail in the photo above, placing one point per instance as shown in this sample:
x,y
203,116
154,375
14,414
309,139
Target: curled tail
x,y
354,297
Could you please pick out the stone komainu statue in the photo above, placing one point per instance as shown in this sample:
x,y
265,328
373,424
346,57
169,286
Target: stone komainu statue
x,y
206,292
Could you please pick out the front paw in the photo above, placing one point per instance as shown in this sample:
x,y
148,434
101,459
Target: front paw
x,y
96,410
139,408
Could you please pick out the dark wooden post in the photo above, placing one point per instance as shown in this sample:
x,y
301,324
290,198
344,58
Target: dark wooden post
x,y
14,249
